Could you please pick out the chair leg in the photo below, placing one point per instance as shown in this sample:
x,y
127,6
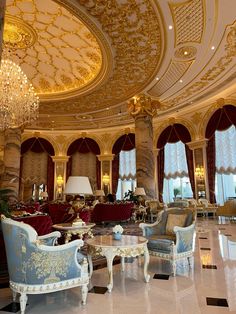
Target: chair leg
x,y
23,301
84,290
173,268
14,295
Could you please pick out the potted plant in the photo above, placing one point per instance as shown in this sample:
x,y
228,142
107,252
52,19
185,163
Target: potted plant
x,y
129,196
176,192
4,206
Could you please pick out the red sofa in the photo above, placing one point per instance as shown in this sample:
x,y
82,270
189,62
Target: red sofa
x,y
105,212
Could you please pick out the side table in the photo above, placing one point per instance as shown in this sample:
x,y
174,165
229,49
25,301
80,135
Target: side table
x,y
69,229
128,246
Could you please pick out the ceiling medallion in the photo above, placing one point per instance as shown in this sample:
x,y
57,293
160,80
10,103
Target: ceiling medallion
x,y
186,52
17,33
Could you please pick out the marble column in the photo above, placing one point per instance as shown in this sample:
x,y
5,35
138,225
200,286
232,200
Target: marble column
x,y
200,161
11,174
59,173
143,108
2,13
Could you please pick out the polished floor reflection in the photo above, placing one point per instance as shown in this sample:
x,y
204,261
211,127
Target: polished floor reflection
x,y
205,289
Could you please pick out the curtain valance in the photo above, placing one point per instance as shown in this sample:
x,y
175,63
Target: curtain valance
x,y
83,145
37,145
172,134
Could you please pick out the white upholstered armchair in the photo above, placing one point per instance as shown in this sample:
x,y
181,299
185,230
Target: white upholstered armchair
x,y
36,266
172,236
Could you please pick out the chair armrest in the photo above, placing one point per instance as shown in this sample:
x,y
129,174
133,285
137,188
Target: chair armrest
x,y
57,261
185,238
148,229
50,238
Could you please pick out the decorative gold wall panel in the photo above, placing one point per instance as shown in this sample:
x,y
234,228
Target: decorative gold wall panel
x,y
188,19
175,71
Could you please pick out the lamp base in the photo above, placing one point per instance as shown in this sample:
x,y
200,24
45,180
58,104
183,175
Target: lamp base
x,y
78,222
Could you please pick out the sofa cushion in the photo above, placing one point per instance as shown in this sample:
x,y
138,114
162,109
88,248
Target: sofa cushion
x,y
175,220
156,244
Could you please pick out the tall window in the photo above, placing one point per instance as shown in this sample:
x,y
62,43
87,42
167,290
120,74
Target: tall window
x,y
127,173
225,183
176,180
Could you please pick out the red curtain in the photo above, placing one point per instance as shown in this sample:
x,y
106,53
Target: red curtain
x,y
160,172
50,178
221,120
125,142
172,134
211,167
84,145
189,157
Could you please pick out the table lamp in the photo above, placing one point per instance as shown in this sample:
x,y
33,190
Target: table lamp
x,y
78,185
139,192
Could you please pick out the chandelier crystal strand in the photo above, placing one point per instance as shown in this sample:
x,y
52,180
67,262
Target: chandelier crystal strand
x,y
18,102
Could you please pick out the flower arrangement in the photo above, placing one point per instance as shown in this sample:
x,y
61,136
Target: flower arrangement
x,y
117,229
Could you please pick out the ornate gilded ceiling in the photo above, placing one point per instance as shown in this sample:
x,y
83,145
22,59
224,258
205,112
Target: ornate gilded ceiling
x,y
86,59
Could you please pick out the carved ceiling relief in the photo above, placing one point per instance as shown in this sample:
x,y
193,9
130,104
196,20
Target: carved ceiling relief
x,y
56,51
135,34
214,72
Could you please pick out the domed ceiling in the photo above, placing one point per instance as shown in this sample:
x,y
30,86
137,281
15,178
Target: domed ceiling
x,y
86,59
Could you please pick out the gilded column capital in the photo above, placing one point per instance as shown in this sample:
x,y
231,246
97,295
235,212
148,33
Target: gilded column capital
x,y
197,144
60,158
106,157
143,105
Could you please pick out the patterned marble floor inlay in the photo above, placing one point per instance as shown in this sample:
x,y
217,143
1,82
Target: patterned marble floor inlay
x,y
217,302
209,266
202,238
205,248
161,276
98,290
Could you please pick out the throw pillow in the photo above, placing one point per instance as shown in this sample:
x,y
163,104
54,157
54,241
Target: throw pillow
x,y
174,220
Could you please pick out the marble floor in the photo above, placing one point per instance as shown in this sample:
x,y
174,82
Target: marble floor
x,y
189,292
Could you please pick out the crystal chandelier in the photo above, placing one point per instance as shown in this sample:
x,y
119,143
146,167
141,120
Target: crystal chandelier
x,y
18,101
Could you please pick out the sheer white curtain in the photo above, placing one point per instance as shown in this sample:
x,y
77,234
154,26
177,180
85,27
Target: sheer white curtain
x,y
127,172
225,164
175,172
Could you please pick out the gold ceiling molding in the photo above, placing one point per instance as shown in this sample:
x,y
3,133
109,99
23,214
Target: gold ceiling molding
x,y
64,58
186,52
135,32
215,72
188,17
17,33
173,74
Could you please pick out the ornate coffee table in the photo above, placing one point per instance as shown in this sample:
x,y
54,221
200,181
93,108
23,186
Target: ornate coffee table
x,y
128,246
68,229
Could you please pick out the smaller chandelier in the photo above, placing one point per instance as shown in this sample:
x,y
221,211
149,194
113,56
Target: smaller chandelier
x,y
18,102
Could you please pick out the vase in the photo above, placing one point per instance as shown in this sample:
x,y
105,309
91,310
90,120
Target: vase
x,y
117,236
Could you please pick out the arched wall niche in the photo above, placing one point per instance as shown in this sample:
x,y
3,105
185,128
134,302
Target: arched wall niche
x,y
36,168
171,121
83,160
217,105
74,138
50,139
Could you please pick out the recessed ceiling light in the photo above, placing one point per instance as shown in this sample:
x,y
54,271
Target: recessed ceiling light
x,y
181,81
107,108
170,27
185,53
157,78
84,117
212,47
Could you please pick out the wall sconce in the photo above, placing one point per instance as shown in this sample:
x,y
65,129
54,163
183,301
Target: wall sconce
x,y
106,179
60,180
199,172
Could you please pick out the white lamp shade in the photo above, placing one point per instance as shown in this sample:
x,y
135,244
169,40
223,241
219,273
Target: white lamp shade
x,y
78,185
139,191
99,193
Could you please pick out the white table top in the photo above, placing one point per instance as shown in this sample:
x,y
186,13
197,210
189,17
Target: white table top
x,y
70,226
108,241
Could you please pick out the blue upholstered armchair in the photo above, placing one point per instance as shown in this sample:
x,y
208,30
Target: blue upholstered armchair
x,y
36,266
172,236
